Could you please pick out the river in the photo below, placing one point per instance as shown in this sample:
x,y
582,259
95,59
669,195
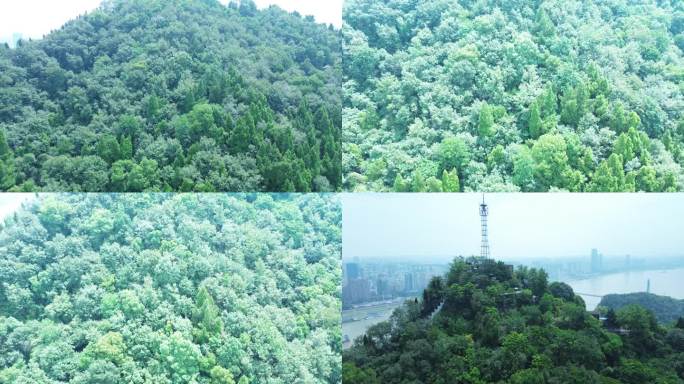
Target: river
x,y
668,282
356,321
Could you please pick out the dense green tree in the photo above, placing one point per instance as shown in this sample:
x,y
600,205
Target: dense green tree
x,y
400,184
126,148
551,163
642,326
181,358
573,105
220,375
611,318
524,169
433,184
535,124
497,157
666,309
7,170
633,372
158,80
109,149
171,288
609,176
353,374
206,316
110,347
418,182
485,124
450,181
499,325
417,73
453,154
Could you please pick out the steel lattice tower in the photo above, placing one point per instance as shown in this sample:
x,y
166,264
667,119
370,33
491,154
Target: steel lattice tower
x,y
484,247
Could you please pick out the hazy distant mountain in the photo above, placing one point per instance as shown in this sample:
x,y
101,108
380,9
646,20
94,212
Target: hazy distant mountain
x,y
665,308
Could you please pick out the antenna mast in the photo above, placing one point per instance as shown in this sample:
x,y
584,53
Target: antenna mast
x,y
484,247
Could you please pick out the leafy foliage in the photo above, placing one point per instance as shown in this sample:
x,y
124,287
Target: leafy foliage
x,y
497,325
666,309
581,95
182,288
173,96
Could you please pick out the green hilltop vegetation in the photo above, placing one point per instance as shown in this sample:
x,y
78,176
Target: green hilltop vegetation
x,y
487,323
173,95
171,289
513,95
666,309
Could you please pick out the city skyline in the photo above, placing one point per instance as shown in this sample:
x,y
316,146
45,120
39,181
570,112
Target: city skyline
x,y
420,227
368,282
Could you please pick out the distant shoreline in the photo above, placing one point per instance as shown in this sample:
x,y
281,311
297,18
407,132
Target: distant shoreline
x,y
625,271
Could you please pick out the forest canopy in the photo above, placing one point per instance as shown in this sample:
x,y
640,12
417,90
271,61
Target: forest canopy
x,y
171,289
579,95
157,95
486,323
665,308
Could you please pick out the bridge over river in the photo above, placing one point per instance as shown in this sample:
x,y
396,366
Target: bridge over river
x,y
589,294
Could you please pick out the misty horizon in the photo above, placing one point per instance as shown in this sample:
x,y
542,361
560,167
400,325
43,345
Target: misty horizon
x,y
447,259
420,227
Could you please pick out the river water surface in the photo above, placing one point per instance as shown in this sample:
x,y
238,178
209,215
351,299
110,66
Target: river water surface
x,y
668,282
663,282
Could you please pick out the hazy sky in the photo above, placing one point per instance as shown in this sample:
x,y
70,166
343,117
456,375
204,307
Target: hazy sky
x,y
436,227
325,11
35,18
10,202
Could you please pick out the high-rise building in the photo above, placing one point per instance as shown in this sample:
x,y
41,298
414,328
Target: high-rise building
x,y
356,291
383,287
353,271
596,261
408,282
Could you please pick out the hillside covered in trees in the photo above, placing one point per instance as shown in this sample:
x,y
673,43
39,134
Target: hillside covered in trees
x,y
666,309
171,289
486,323
157,95
580,95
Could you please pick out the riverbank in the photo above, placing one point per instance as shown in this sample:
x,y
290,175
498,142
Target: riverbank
x,y
664,282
